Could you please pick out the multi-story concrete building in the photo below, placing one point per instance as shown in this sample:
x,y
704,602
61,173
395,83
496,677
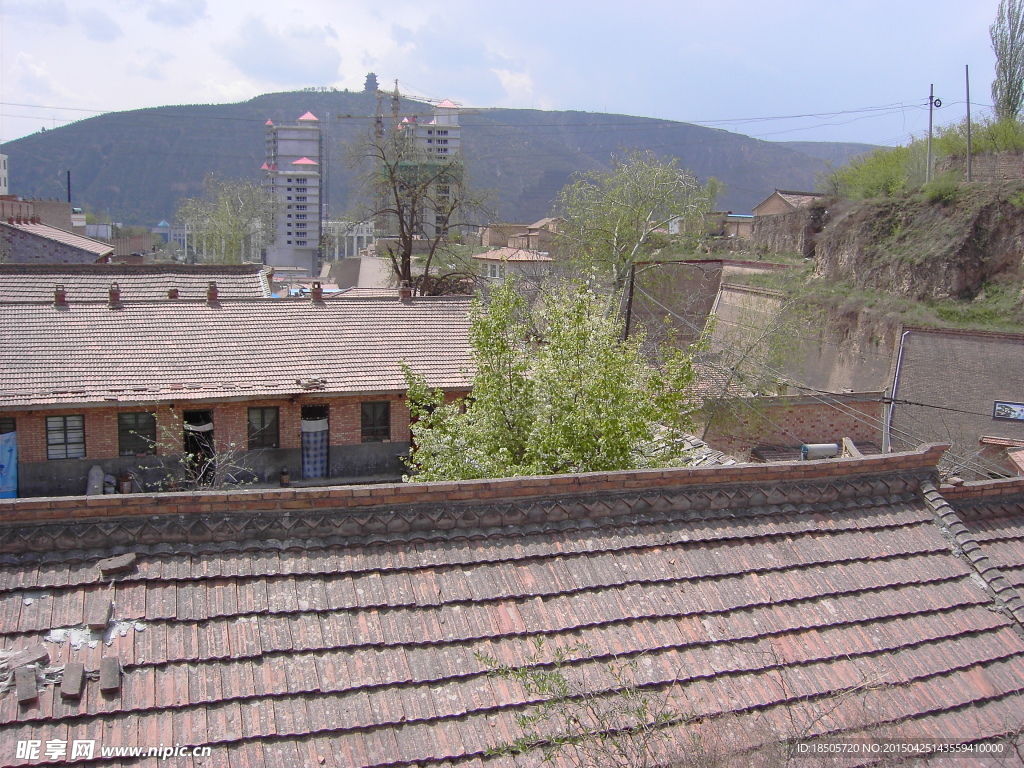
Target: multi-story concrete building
x,y
430,173
4,185
292,172
441,137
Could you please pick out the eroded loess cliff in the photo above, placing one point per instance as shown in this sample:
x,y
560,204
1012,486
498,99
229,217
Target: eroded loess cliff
x,y
948,247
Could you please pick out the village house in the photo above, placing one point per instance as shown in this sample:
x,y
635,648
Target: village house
x,y
308,386
29,241
743,610
530,266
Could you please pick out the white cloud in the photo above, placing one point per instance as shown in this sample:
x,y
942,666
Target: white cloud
x,y
34,79
518,86
97,25
295,56
175,13
47,11
150,63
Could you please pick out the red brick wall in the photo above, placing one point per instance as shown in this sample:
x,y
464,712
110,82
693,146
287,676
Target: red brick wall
x,y
790,422
386,495
229,424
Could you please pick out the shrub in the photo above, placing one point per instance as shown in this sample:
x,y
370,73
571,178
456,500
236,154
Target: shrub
x,y
942,189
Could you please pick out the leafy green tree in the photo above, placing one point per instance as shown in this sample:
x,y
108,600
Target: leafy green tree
x,y
230,222
555,390
1007,35
987,135
886,172
611,217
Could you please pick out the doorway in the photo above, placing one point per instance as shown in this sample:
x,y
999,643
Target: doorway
x,y
200,456
315,441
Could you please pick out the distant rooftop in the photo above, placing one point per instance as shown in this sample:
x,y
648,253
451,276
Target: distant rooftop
x,y
91,282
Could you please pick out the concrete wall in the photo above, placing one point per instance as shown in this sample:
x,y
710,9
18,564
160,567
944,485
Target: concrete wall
x,y
959,375
835,353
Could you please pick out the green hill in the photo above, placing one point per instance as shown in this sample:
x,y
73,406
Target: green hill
x,y
136,165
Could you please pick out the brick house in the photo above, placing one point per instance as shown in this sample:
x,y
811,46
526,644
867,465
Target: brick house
x,y
307,385
753,608
29,241
531,266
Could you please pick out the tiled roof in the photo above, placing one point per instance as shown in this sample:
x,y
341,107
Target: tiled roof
x,y
799,199
753,608
512,254
947,383
986,521
62,236
363,293
309,116
91,282
179,350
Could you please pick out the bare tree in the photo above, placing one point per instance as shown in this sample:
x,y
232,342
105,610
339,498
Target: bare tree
x,y
421,203
1007,34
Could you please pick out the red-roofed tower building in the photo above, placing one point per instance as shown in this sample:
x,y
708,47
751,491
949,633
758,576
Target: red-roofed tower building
x,y
292,171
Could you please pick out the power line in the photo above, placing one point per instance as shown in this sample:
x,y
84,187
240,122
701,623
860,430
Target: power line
x,y
977,464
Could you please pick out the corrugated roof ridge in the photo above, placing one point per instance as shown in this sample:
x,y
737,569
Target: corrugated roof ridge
x,y
412,507
846,516
966,545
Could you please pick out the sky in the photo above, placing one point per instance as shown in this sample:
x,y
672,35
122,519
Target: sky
x,y
793,70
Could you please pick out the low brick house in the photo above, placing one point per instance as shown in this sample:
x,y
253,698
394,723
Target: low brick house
x,y
32,242
124,385
750,609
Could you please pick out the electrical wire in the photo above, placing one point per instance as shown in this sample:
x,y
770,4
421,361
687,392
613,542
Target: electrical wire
x,y
977,464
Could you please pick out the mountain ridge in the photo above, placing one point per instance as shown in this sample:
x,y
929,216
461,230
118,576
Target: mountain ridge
x,y
135,165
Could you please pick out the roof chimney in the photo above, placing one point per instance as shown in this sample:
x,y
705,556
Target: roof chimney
x,y
405,291
172,293
115,296
60,296
318,292
211,292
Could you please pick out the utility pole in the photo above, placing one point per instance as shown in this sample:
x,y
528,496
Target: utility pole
x,y
629,301
967,75
932,103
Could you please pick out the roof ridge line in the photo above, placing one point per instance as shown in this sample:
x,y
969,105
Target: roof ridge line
x,y
964,545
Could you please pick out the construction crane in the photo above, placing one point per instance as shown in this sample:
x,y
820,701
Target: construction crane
x,y
396,109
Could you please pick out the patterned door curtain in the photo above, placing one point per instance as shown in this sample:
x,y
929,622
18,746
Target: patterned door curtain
x,y
314,448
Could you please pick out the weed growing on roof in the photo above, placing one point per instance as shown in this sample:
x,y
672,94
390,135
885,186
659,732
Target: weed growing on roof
x,y
622,728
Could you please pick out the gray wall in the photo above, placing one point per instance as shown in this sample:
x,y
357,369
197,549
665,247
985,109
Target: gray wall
x,y
348,463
